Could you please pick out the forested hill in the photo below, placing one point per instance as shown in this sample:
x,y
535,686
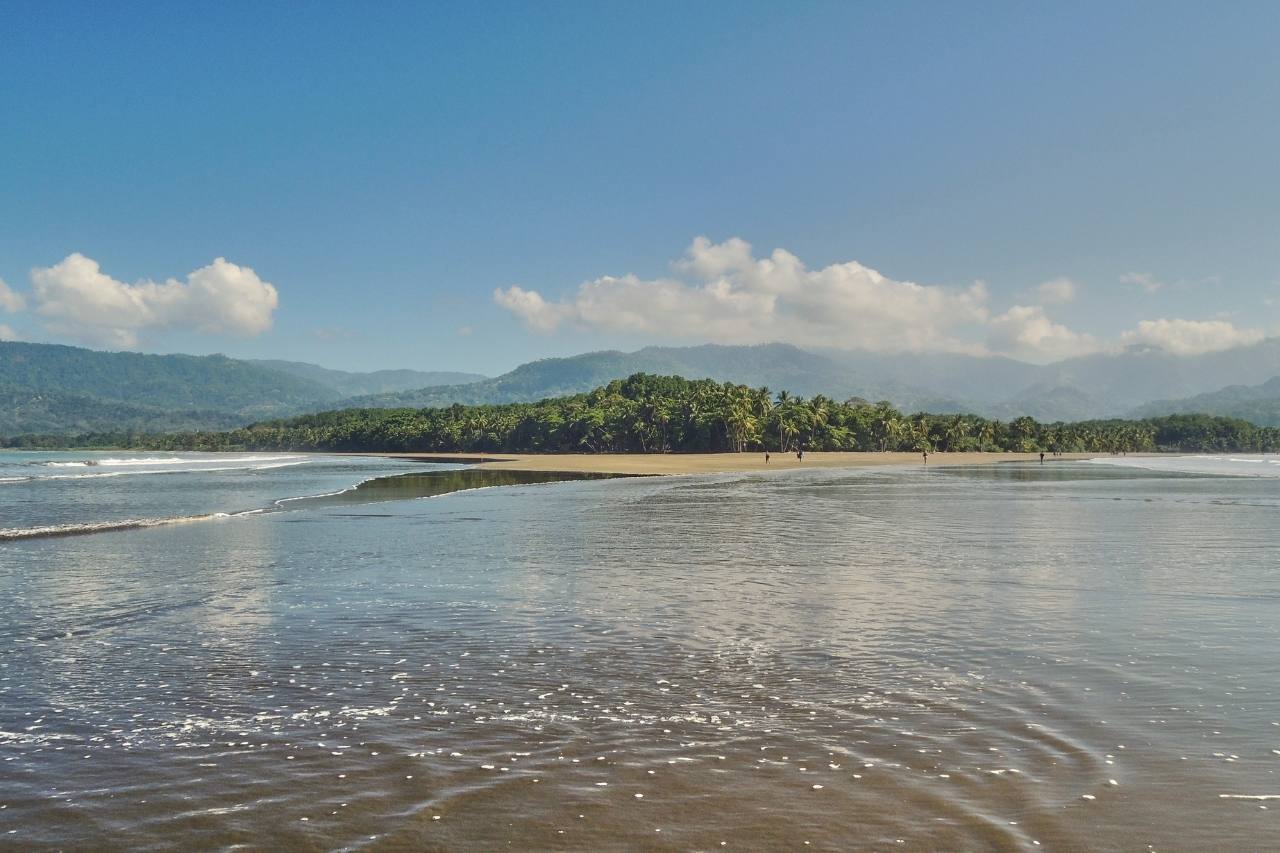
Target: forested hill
x,y
23,411
648,414
50,388
774,365
1259,404
171,382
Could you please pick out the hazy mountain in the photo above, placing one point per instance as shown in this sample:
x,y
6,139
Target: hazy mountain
x,y
1259,404
778,366
1050,401
977,379
1101,385
348,384
1119,382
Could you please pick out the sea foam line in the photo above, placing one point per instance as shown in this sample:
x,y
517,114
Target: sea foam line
x,y
250,466
115,462
11,534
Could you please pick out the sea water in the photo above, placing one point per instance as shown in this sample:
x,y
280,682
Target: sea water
x,y
44,493
1058,656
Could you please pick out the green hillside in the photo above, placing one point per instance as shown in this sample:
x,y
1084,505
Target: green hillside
x,y
23,411
47,387
1259,404
212,382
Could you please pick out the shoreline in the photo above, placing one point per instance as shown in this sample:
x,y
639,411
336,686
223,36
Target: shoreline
x,y
713,463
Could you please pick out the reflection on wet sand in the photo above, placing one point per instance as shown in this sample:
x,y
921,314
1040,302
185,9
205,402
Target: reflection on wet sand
x,y
429,484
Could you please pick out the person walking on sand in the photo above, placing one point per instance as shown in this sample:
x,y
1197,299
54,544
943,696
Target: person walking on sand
x,y
800,454
925,454
766,457
1041,457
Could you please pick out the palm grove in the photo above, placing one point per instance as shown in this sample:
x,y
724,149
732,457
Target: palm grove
x,y
648,414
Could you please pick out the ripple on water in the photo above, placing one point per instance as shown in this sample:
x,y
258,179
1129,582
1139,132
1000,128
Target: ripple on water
x,y
758,663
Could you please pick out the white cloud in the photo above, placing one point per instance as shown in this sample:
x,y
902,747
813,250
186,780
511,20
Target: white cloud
x,y
529,306
1059,291
1025,331
7,333
722,293
1144,280
10,301
82,302
1190,337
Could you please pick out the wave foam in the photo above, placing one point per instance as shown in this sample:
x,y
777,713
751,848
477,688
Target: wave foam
x,y
113,462
1204,464
91,469
11,534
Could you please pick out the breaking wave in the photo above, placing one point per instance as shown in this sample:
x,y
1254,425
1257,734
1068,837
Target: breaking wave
x,y
82,528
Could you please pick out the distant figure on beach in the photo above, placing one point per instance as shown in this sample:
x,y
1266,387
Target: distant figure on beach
x,y
766,457
1041,457
925,454
800,454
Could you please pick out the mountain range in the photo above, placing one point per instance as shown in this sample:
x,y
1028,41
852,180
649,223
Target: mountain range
x,y
1259,404
53,388
1095,386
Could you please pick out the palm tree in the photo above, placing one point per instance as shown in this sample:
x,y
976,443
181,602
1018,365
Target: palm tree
x,y
784,402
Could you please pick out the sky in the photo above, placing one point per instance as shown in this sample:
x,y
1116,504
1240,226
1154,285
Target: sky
x,y
471,186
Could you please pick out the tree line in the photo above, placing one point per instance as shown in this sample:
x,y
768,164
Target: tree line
x,y
655,414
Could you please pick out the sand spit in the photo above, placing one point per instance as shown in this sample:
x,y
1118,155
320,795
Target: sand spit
x,y
711,463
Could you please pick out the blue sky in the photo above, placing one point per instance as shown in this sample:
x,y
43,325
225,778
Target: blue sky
x,y
431,185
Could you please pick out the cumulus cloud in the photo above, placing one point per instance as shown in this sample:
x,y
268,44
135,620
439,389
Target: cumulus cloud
x,y
529,306
724,293
7,333
1191,337
1144,280
82,302
10,301
721,292
1059,291
1025,331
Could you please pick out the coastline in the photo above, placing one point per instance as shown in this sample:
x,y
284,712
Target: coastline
x,y
711,463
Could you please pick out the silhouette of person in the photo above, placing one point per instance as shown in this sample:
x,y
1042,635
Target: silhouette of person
x,y
766,457
1041,457
925,454
800,454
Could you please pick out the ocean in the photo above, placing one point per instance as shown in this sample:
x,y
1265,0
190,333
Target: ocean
x,y
318,653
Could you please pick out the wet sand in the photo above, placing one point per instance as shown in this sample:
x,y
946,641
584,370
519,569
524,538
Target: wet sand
x,y
712,463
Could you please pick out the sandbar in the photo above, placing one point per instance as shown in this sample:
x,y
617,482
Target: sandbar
x,y
713,463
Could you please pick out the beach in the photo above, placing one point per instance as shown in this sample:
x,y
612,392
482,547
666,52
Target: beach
x,y
712,463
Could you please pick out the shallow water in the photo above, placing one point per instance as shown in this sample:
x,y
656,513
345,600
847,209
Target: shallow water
x,y
1064,657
